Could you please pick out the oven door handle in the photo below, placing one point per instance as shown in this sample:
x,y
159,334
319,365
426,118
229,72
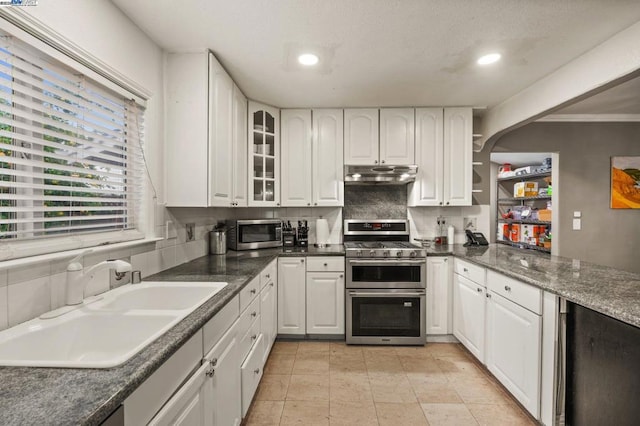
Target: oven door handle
x,y
387,294
397,261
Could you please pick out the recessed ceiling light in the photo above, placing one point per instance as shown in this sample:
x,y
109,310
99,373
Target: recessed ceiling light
x,y
489,59
308,59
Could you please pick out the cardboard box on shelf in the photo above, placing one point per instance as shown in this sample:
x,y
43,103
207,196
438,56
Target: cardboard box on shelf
x,y
525,189
544,215
515,232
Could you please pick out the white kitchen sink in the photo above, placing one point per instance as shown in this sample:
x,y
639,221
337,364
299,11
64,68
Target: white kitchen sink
x,y
159,296
107,332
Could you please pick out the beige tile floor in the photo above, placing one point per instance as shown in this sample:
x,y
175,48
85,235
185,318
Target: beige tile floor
x,y
330,383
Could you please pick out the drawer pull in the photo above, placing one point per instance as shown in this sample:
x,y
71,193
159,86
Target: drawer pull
x,y
488,296
271,284
253,291
268,276
210,372
254,314
257,371
326,264
507,288
301,260
254,337
465,269
479,290
341,275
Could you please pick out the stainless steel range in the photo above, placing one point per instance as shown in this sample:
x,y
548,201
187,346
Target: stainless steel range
x,y
385,285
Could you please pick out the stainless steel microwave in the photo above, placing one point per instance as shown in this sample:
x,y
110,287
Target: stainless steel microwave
x,y
254,234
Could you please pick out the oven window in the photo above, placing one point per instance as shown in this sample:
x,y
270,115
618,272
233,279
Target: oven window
x,y
386,316
257,233
385,273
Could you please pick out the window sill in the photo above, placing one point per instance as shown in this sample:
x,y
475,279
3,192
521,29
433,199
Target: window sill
x,y
68,254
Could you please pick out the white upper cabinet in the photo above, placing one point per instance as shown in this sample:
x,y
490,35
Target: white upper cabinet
x,y
264,155
458,156
361,136
327,158
427,189
221,128
312,158
444,155
187,106
203,157
239,149
295,172
397,136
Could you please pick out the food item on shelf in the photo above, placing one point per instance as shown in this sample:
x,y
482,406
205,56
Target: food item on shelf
x,y
515,232
525,189
544,215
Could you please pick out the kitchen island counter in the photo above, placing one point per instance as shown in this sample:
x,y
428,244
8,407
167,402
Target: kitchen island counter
x,y
606,290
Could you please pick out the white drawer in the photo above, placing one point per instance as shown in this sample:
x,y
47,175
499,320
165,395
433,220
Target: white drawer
x,y
248,317
270,273
215,328
251,372
249,292
470,271
150,396
325,264
248,339
525,295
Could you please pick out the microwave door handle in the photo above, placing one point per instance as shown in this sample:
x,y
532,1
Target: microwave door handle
x,y
367,294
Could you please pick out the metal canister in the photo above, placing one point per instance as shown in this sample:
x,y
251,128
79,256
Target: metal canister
x,y
218,240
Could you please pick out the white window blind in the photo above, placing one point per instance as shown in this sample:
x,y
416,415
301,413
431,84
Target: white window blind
x,y
71,159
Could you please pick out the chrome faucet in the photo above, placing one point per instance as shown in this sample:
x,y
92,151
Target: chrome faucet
x,y
77,277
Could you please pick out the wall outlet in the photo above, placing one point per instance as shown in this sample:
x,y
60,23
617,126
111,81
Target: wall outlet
x,y
170,230
191,231
470,223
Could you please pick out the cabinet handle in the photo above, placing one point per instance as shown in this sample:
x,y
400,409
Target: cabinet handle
x,y
271,284
341,275
446,260
465,269
210,372
277,204
382,161
213,362
254,314
375,161
479,290
315,204
326,264
440,202
257,371
506,287
254,337
268,275
253,291
447,203
488,296
301,260
308,204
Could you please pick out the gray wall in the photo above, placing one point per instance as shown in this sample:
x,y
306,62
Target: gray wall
x,y
608,237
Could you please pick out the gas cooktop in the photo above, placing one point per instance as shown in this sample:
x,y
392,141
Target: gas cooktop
x,y
379,239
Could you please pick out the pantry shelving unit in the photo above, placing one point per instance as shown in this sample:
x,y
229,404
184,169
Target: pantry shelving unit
x,y
504,187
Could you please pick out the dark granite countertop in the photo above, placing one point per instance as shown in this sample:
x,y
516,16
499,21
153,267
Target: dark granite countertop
x,y
64,396
53,396
606,290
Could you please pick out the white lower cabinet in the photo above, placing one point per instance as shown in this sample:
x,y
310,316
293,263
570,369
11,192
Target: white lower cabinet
x,y
225,380
513,349
189,406
268,317
291,295
325,302
439,296
251,372
469,314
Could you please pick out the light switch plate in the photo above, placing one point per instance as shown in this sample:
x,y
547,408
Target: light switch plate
x,y
577,224
577,214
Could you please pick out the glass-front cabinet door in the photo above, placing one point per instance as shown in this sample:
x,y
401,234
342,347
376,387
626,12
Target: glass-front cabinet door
x,y
264,155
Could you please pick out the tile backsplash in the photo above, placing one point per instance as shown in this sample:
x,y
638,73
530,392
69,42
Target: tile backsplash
x,y
375,202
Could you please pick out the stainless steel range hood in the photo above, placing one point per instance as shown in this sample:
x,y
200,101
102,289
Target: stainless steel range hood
x,y
380,174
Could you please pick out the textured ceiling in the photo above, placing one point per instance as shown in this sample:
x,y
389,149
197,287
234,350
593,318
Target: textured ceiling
x,y
384,52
